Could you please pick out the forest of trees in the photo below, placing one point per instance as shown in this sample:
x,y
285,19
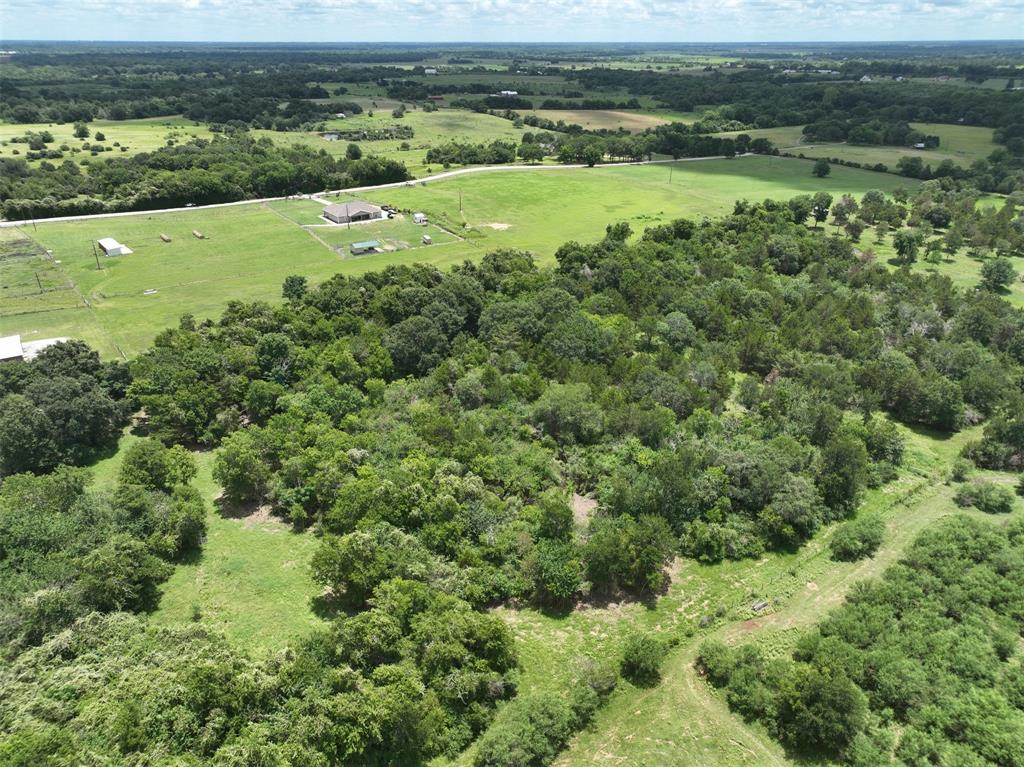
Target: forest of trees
x,y
231,167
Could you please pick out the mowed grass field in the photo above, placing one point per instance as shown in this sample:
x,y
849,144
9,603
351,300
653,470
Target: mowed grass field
x,y
541,210
250,249
134,135
963,144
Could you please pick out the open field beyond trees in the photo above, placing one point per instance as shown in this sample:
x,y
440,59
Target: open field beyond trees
x,y
248,250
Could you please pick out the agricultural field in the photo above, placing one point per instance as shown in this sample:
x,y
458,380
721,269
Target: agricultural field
x,y
133,136
248,250
598,119
963,144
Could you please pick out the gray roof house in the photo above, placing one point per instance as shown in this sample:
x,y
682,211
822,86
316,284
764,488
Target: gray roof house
x,y
353,210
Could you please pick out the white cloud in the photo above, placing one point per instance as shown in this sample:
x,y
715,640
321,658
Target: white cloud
x,y
485,20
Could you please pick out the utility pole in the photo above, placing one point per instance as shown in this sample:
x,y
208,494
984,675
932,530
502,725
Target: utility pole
x,y
348,218
460,200
670,167
40,284
96,256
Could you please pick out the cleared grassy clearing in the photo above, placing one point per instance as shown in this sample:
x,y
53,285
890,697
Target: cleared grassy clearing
x,y
540,211
251,248
962,269
134,135
30,281
251,580
248,252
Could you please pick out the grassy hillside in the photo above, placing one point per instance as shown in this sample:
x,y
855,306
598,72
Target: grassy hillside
x,y
250,249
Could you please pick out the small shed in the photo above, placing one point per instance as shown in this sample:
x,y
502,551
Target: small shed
x,y
428,240
419,218
112,247
359,248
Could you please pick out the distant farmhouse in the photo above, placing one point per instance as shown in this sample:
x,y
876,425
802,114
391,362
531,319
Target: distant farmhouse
x,y
12,349
430,71
354,210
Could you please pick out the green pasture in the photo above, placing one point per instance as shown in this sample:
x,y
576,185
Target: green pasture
x,y
541,210
133,135
250,249
963,144
962,269
247,253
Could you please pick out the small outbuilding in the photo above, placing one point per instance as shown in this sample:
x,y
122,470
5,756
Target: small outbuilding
x,y
359,248
419,218
112,247
353,210
10,349
428,240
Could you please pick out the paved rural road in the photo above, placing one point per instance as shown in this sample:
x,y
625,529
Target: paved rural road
x,y
415,182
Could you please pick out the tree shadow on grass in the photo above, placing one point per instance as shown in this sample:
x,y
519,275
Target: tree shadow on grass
x,y
930,432
329,606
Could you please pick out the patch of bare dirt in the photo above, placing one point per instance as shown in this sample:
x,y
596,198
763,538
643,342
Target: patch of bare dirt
x,y
582,507
811,586
498,226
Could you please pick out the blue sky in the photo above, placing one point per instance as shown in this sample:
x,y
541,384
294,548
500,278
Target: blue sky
x,y
510,20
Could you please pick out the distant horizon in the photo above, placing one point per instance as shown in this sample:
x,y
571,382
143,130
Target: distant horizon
x,y
509,21
428,43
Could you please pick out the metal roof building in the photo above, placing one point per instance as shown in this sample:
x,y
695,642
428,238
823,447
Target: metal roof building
x,y
354,210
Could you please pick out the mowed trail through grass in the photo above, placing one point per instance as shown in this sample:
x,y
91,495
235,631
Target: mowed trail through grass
x,y
250,249
682,721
